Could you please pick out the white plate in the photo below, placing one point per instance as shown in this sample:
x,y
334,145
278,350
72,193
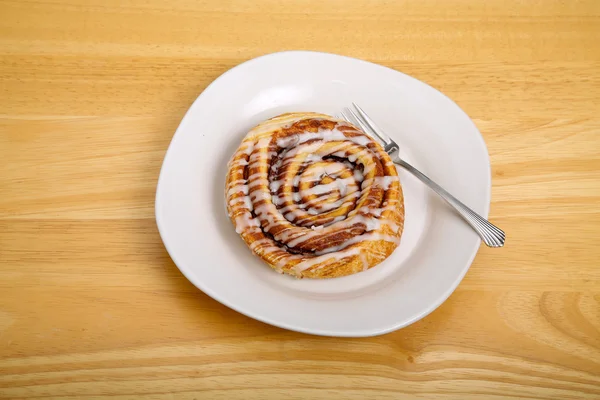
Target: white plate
x,y
437,246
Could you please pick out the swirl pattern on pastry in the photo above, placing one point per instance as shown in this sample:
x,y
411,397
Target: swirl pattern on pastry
x,y
314,196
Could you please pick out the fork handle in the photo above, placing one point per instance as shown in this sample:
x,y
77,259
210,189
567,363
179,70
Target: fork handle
x,y
491,235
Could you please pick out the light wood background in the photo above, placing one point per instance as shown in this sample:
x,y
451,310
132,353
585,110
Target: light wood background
x,y
91,306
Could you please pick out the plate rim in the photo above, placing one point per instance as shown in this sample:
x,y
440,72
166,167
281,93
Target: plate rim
x,y
296,328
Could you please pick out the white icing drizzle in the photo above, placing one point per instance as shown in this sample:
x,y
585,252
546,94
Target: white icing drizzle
x,y
245,222
254,158
258,182
275,185
319,202
385,181
289,141
367,169
392,225
320,209
313,211
325,259
242,199
333,135
259,195
365,261
376,211
311,148
340,184
284,234
266,243
291,216
276,200
303,238
358,239
237,182
247,150
238,163
371,223
332,170
238,188
358,175
262,143
358,155
277,165
311,158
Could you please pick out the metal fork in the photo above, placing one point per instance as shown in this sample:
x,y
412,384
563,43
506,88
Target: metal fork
x,y
489,233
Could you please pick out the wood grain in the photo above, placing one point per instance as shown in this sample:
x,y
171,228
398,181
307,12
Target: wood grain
x,y
92,307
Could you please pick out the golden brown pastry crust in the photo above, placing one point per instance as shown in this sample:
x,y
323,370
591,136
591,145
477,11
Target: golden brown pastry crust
x,y
314,197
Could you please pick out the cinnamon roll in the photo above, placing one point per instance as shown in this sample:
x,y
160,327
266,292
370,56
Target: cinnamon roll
x,y
314,196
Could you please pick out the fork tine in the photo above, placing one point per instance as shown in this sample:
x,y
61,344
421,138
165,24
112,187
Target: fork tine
x,y
341,116
365,126
372,125
353,119
348,117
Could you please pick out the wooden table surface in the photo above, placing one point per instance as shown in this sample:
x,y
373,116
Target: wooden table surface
x,y
91,305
